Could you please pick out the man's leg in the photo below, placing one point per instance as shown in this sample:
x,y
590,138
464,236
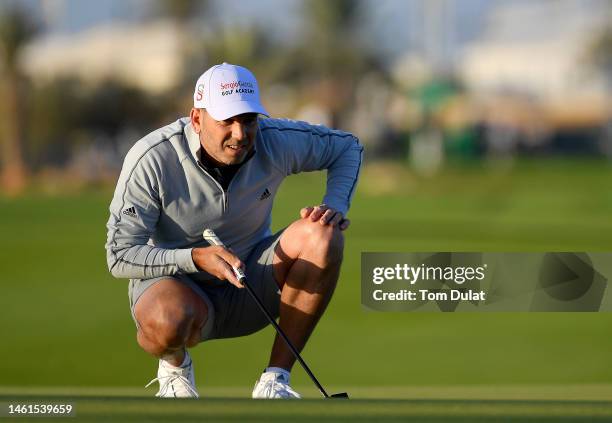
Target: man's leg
x,y
171,316
306,264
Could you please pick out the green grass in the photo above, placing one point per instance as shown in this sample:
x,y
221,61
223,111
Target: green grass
x,y
65,321
423,404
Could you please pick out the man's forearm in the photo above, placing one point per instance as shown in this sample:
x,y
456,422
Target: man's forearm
x,y
342,178
145,261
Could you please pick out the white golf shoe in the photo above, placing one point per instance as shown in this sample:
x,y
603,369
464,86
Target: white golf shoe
x,y
175,382
273,385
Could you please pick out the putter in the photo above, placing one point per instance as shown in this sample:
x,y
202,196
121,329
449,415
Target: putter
x,y
210,236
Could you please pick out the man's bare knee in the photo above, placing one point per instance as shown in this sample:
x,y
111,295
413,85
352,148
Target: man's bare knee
x,y
170,327
307,243
325,240
170,316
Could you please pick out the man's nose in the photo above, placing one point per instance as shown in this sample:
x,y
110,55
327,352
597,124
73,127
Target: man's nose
x,y
238,131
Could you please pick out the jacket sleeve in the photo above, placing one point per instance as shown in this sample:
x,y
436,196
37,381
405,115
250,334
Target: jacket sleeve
x,y
134,212
301,147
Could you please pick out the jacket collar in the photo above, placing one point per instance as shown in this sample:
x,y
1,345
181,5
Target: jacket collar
x,y
194,142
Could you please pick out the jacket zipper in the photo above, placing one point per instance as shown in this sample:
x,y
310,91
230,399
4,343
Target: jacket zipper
x,y
226,198
223,193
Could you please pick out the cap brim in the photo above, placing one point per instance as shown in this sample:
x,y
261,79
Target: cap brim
x,y
236,108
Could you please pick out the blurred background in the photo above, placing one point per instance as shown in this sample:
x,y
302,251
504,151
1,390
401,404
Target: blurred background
x,y
487,125
424,83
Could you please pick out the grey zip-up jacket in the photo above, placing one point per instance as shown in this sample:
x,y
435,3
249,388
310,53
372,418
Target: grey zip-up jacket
x,y
164,198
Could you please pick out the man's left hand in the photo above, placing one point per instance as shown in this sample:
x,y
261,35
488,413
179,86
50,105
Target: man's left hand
x,y
326,216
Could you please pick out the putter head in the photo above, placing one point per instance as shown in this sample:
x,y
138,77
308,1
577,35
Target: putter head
x,y
341,395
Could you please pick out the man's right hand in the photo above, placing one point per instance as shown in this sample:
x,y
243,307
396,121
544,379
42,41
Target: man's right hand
x,y
218,261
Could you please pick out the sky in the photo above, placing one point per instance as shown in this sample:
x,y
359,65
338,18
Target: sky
x,y
391,25
439,28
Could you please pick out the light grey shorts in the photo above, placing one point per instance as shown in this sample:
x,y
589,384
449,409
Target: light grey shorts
x,y
231,310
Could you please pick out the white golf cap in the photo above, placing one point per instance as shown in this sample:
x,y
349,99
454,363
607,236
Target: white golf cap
x,y
227,90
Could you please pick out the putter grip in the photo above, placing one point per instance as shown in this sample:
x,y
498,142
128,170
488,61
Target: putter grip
x,y
212,238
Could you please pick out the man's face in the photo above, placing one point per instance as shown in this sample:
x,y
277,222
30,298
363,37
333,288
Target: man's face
x,y
227,141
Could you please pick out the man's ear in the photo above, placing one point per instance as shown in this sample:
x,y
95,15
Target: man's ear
x,y
196,119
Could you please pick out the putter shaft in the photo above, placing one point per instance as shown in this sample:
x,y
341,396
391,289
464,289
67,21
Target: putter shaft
x,y
210,236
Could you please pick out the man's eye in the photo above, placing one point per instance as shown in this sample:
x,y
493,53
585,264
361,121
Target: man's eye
x,y
246,122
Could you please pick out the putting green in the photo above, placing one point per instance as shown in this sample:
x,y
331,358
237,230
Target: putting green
x,y
65,320
429,404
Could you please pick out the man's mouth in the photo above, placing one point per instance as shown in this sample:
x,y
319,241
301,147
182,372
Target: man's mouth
x,y
236,147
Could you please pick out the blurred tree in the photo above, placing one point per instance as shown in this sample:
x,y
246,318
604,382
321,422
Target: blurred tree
x,y
332,56
57,106
207,41
70,115
16,29
331,30
248,46
105,107
600,53
184,13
